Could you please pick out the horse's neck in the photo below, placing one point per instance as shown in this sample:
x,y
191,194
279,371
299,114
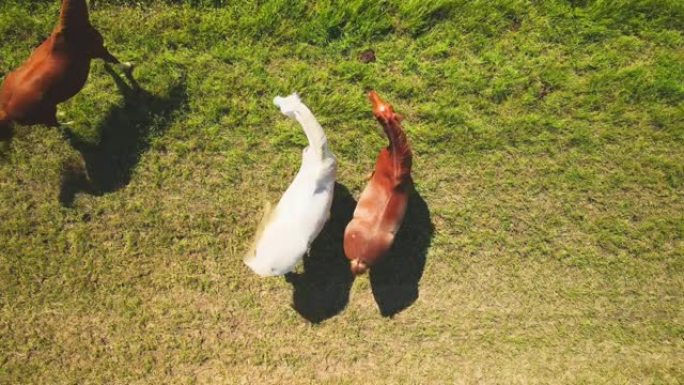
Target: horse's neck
x,y
313,130
74,15
399,151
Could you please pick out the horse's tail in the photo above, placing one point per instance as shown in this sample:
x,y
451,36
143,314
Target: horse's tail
x,y
6,130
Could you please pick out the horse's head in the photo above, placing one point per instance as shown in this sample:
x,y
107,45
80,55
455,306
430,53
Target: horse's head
x,y
382,110
79,35
73,14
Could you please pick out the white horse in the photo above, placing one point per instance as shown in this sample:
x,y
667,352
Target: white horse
x,y
286,232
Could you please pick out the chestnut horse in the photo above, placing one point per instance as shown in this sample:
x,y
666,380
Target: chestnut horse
x,y
56,71
382,203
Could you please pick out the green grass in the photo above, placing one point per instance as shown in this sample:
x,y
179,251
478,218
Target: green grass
x,y
549,156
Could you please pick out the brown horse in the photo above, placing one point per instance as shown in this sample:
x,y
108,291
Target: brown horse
x,y
382,204
56,71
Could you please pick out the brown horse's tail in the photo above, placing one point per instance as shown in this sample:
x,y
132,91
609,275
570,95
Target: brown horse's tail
x,y
6,130
391,123
74,14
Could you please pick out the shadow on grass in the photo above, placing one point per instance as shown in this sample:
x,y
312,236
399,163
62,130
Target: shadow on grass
x,y
124,136
322,290
395,279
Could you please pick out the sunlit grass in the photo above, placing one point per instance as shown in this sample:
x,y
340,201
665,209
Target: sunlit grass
x,y
549,152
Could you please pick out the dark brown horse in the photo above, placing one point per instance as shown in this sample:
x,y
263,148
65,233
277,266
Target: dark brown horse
x,y
382,203
56,71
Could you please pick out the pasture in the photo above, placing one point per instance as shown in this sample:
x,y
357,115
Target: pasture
x,y
544,243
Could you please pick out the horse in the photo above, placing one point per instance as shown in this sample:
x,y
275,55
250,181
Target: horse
x,y
55,72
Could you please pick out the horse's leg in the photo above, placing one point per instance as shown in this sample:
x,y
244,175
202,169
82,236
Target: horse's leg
x,y
123,87
48,116
105,55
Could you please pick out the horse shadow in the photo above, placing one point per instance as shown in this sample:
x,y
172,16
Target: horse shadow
x,y
125,134
395,279
322,290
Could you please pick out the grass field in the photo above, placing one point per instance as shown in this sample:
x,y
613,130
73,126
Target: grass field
x,y
544,243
